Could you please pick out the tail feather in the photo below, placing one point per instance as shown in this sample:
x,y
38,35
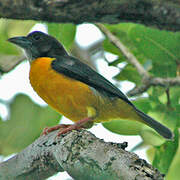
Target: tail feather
x,y
161,129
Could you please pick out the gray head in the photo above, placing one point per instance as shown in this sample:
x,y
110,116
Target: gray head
x,y
38,44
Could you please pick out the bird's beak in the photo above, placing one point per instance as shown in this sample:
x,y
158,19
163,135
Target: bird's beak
x,y
20,41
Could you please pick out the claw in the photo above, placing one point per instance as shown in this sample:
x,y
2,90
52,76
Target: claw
x,y
78,125
64,128
50,129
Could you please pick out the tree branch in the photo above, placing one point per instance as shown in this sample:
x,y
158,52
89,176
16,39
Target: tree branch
x,y
147,80
164,14
154,81
79,153
129,56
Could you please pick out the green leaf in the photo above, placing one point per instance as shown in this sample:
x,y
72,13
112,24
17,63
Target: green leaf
x,y
150,152
158,51
168,114
175,95
123,27
129,73
176,115
165,153
161,47
26,122
10,28
121,31
143,104
109,47
174,173
151,137
124,127
65,33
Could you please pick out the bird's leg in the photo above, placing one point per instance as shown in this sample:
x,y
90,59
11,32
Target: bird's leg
x,y
50,129
64,128
78,125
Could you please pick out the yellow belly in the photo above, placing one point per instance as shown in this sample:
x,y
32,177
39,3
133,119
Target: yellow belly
x,y
72,98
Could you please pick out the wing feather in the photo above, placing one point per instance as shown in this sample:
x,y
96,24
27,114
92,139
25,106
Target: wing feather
x,y
73,68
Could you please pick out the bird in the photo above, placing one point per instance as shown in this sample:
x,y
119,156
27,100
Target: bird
x,y
74,89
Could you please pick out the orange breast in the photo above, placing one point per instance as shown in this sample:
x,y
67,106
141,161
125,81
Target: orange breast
x,y
74,99
69,97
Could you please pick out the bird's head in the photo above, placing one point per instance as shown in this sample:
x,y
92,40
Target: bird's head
x,y
38,44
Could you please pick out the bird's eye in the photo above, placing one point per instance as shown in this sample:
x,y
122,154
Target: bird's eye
x,y
36,37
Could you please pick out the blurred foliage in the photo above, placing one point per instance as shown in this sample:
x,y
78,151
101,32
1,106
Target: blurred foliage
x,y
174,172
8,51
158,51
124,127
25,124
65,33
10,28
152,47
165,153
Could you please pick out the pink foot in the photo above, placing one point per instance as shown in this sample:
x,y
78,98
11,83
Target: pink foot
x,y
50,129
64,128
75,126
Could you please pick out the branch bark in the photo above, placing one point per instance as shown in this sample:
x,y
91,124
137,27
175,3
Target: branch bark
x,y
79,153
154,81
164,14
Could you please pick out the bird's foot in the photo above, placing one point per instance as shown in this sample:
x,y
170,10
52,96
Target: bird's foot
x,y
64,128
47,130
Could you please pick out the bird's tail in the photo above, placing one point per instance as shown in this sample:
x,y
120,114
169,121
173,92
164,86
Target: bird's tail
x,y
161,129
